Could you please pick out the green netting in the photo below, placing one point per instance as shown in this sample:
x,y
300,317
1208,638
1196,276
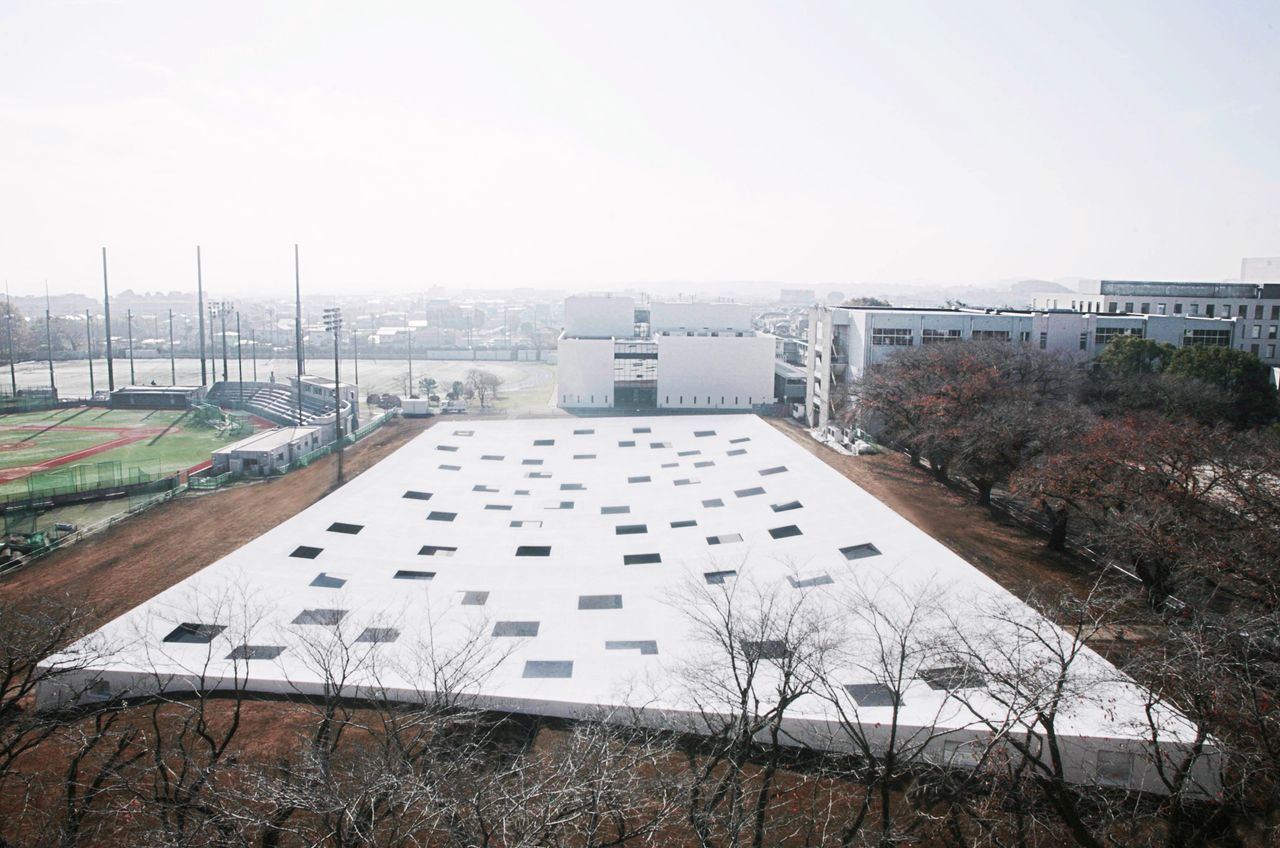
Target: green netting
x,y
19,522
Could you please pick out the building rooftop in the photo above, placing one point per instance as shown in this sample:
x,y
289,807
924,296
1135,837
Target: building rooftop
x,y
268,439
577,556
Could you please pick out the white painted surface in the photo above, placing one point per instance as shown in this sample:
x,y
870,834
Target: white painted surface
x,y
258,590
599,317
584,373
715,372
699,316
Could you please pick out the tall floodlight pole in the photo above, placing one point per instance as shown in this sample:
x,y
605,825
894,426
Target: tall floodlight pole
x,y
355,351
333,324
8,308
297,327
106,319
48,337
253,351
173,362
239,360
223,308
133,381
204,377
88,346
410,361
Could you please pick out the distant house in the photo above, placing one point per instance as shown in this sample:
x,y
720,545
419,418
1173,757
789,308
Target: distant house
x,y
267,452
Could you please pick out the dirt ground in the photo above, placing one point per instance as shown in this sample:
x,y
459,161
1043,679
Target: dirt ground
x,y
125,565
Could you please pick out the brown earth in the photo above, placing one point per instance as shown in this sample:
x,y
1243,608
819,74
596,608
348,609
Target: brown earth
x,y
126,564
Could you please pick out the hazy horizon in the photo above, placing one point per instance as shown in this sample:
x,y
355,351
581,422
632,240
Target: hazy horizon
x,y
584,146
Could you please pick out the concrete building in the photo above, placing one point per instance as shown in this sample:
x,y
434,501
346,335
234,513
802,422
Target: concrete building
x,y
265,453
614,354
1255,305
844,341
157,397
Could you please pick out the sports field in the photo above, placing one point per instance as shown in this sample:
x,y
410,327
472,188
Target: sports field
x,y
158,442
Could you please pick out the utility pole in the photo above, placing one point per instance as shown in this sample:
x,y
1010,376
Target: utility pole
x,y
133,381
48,337
411,361
106,318
204,377
253,351
88,341
173,363
223,308
333,323
355,349
297,326
239,361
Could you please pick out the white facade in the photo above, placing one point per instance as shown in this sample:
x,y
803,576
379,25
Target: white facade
x,y
693,356
581,577
267,452
844,341
1255,305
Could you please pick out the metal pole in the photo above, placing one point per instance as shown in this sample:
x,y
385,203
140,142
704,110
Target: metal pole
x,y
204,377
106,318
337,391
297,325
88,340
411,362
48,337
239,360
173,363
133,381
253,351
222,313
8,308
355,349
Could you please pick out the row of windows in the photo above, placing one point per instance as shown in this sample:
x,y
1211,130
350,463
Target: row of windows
x,y
709,400
1211,310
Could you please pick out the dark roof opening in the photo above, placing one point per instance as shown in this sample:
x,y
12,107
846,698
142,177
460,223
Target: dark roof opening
x,y
350,529
543,443
533,551
518,629
548,668
717,578
712,503
860,551
676,525
406,574
777,469
255,652
765,649
703,433
474,599
953,677
436,550
378,634
746,493
644,646
810,582
614,510
873,695
641,479
785,507
450,467
599,602
417,496
436,515
641,559
194,633
328,617
784,532
328,581
306,552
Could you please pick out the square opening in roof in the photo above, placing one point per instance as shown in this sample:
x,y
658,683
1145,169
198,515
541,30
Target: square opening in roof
x,y
688,481
670,465
872,695
255,652
659,445
810,582
703,433
630,529
328,581
626,444
417,496
408,574
562,505
736,452
739,440
583,432
516,629
533,551
724,539
860,551
644,478
524,522
712,503
706,463
194,633
641,430
584,456
717,578
644,646
547,669
599,602
437,515
520,492
572,487
481,487
327,617
784,532
378,634
950,677
531,462
437,550
543,443
450,467
689,453
785,507
499,507
538,475
689,522
464,432
492,457
306,552
777,469
446,447
641,559
475,599
614,510
349,529
747,493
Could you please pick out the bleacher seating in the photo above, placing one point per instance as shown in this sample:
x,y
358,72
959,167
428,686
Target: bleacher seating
x,y
275,402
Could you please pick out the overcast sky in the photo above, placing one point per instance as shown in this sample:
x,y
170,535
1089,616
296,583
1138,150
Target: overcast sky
x,y
593,144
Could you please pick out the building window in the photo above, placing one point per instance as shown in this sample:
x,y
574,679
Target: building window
x,y
1242,313
1257,312
1255,332
1207,338
1271,351
1146,308
1103,335
1177,309
1275,313
891,337
939,336
1112,307
1161,309
991,335
1084,340
1044,341
1208,310
1271,331
1024,337
1253,349
1195,309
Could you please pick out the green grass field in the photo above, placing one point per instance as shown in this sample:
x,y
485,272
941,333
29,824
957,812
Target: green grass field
x,y
169,440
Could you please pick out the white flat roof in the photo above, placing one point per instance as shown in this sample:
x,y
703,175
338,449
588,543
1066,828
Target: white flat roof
x,y
268,439
601,536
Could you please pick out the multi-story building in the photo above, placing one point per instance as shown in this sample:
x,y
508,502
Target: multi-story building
x,y
614,354
1254,305
844,341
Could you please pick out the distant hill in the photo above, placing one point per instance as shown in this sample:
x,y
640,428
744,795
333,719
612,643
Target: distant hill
x,y
1035,286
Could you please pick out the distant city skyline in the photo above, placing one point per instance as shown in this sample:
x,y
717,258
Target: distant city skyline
x,y
583,147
